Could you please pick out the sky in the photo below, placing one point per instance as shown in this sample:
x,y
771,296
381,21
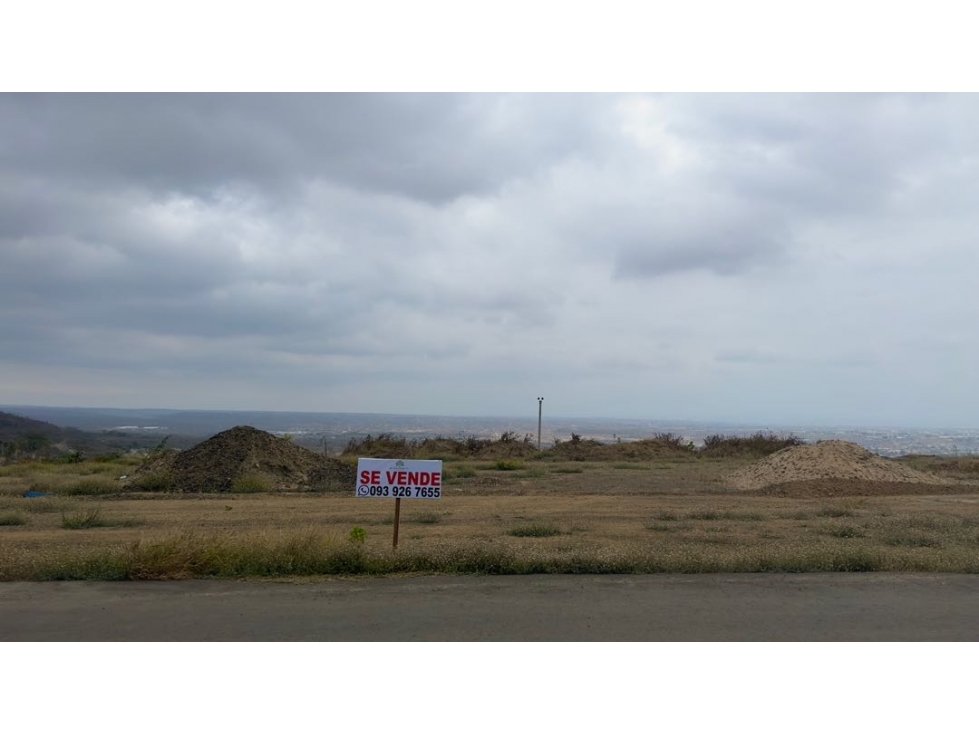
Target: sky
x,y
799,259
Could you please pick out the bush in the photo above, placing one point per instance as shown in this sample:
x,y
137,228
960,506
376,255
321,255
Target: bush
x,y
357,535
85,519
12,518
385,445
758,444
504,465
673,441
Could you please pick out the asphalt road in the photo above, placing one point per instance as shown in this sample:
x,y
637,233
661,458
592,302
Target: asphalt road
x,y
736,607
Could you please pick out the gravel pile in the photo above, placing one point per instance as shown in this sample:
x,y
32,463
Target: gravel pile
x,y
830,467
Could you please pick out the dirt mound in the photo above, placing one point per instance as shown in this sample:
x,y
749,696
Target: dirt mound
x,y
245,459
828,467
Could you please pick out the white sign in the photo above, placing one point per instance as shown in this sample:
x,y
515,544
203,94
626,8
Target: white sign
x,y
399,478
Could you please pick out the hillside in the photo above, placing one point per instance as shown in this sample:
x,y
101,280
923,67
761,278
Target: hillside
x,y
13,426
26,437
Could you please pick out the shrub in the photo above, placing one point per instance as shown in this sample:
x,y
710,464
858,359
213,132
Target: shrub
x,y
673,441
85,519
385,444
12,518
504,465
758,444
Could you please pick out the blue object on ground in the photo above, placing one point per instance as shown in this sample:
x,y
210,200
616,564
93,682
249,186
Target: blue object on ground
x,y
34,493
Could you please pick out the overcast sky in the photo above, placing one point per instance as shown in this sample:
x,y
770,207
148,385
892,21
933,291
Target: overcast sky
x,y
780,259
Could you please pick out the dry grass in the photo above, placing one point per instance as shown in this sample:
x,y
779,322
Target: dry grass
x,y
674,515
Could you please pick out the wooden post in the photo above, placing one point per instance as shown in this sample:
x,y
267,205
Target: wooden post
x,y
397,519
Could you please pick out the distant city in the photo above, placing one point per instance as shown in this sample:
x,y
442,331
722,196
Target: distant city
x,y
332,431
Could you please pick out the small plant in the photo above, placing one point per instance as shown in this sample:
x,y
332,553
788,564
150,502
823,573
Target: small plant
x,y
504,465
12,518
85,519
666,516
357,535
537,530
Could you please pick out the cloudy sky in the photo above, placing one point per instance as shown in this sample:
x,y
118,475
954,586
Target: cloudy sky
x,y
787,259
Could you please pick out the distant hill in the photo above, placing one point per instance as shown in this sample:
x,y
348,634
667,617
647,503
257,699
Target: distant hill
x,y
14,426
21,436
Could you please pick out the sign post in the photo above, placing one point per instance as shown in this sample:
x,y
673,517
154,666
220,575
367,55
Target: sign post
x,y
397,521
399,478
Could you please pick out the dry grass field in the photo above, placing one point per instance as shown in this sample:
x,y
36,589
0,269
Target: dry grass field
x,y
525,515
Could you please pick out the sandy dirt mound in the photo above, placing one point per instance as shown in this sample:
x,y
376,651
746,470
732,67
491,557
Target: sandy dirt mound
x,y
830,468
247,459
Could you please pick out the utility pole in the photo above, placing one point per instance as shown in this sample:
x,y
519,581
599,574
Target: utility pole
x,y
540,410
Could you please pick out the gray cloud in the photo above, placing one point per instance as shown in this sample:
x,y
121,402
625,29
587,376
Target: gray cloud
x,y
447,253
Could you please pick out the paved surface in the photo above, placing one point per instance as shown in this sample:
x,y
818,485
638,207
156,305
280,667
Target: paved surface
x,y
899,607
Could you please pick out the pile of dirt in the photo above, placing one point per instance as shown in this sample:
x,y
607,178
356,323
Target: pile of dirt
x,y
245,459
832,468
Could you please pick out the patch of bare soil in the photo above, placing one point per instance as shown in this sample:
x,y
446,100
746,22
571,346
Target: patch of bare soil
x,y
834,469
245,458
